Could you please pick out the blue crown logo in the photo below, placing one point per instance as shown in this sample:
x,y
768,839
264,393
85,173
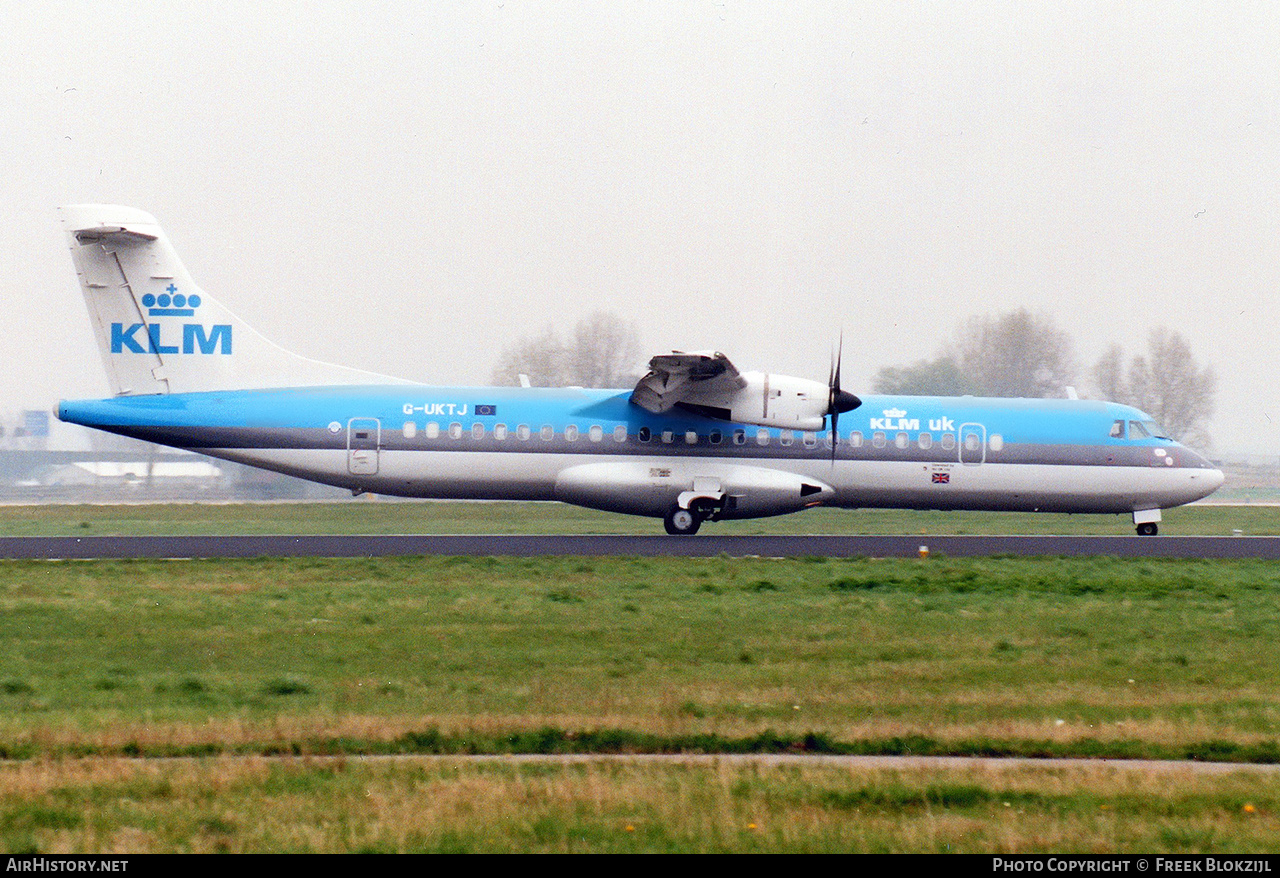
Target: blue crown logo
x,y
171,303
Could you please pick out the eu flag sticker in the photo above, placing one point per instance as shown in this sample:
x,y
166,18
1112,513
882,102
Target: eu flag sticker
x,y
486,410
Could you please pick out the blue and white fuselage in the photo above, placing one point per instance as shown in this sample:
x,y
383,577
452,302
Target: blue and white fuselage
x,y
595,448
695,440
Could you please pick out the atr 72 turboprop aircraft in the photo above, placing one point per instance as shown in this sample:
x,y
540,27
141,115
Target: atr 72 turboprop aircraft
x,y
694,440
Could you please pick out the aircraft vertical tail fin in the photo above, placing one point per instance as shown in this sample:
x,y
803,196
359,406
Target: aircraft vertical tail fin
x,y
160,333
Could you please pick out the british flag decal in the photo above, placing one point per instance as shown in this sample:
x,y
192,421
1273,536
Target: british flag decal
x,y
941,478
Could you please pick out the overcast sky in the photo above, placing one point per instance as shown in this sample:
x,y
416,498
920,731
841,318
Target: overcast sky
x,y
408,187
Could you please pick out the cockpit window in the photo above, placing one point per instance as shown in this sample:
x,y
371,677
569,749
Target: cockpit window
x,y
1140,430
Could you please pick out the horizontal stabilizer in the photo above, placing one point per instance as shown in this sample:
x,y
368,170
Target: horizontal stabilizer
x,y
117,235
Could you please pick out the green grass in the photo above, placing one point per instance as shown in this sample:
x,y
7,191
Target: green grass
x,y
446,806
1085,656
359,516
423,659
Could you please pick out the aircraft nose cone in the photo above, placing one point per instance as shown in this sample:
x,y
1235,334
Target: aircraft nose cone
x,y
1215,478
1204,482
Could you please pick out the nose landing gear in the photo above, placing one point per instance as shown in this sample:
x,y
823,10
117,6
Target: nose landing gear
x,y
1146,521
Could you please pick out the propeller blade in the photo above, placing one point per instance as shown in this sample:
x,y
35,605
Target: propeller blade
x,y
838,400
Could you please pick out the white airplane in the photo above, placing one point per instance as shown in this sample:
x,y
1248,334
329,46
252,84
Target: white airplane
x,y
694,440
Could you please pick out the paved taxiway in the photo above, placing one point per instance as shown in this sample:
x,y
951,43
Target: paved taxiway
x,y
381,545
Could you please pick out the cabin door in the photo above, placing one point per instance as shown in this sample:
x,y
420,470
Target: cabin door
x,y
363,435
973,443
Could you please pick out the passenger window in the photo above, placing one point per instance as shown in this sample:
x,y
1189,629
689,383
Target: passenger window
x,y
499,431
855,439
433,430
996,442
784,437
926,441
477,431
949,441
410,429
810,440
455,430
596,433
972,442
620,433
690,438
878,439
715,437
523,432
570,433
668,436
762,436
902,440
739,437
644,434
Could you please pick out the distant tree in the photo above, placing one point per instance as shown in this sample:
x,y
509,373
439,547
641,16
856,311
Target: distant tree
x,y
1166,383
603,351
541,357
1016,354
938,377
1108,375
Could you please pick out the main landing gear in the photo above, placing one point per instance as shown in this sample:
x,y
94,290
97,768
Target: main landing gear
x,y
682,522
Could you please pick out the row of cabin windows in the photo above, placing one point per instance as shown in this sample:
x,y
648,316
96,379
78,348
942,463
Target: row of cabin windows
x,y
786,438
763,437
522,432
925,441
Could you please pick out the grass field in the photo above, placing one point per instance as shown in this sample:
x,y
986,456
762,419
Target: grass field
x,y
257,805
399,517
344,664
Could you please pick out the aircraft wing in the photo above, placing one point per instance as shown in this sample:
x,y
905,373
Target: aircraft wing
x,y
692,378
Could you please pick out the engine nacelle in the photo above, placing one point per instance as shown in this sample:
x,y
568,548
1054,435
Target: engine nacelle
x,y
651,487
770,401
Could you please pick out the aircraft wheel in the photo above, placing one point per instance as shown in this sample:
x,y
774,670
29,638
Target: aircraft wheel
x,y
1148,529
681,522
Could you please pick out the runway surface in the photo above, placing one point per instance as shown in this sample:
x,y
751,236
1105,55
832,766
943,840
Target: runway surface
x,y
387,545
